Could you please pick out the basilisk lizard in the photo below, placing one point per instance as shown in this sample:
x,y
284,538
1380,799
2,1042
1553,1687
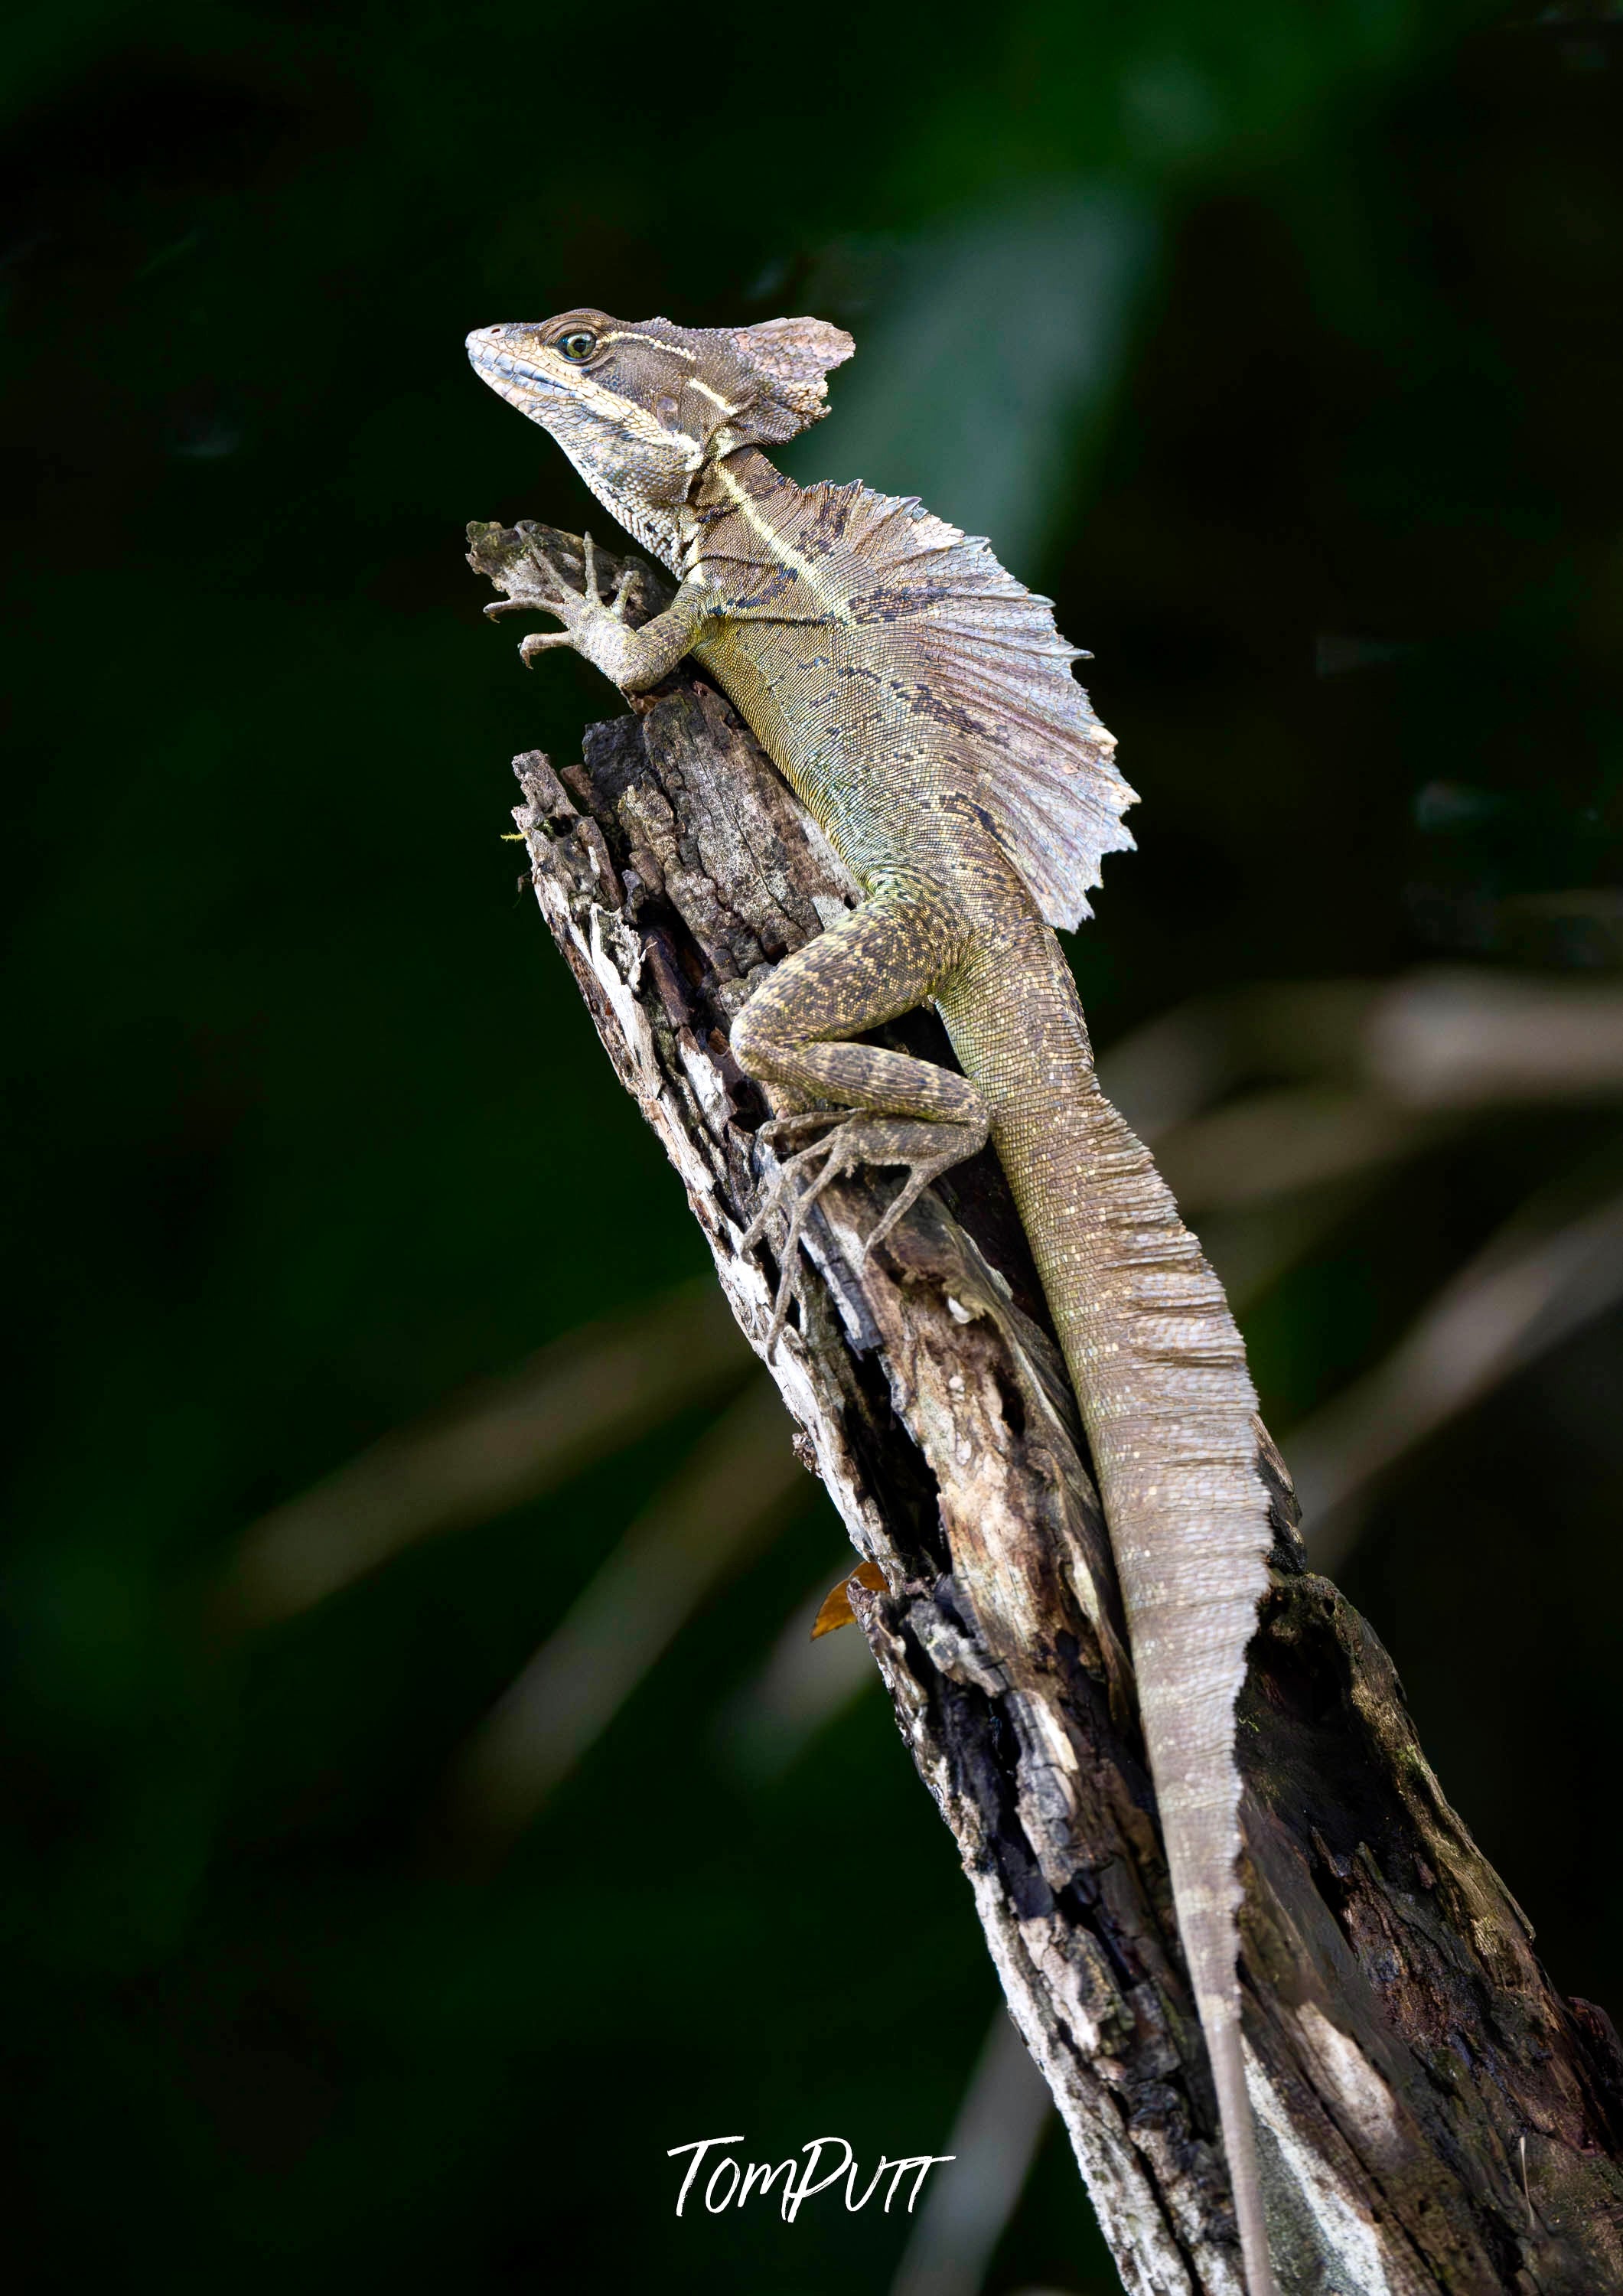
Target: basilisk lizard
x,y
923,707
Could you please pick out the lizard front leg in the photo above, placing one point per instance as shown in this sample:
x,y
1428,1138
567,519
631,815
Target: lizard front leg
x,y
597,627
879,962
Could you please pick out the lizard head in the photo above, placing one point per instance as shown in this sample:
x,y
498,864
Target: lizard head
x,y
640,408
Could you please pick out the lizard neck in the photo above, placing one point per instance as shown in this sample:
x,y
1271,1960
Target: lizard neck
x,y
657,525
736,506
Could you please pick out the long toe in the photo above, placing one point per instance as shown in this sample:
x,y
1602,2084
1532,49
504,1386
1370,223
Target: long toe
x,y
906,1196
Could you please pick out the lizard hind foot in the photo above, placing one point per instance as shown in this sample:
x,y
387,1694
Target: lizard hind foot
x,y
855,1137
926,1148
782,1195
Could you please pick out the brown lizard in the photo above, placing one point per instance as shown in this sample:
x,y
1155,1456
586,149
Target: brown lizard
x,y
921,705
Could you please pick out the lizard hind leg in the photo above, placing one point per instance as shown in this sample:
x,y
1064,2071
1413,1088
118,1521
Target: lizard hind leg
x,y
889,1109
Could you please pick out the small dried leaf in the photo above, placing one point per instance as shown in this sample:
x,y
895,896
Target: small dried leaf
x,y
836,1611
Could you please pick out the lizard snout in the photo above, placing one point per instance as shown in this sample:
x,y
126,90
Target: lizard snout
x,y
503,356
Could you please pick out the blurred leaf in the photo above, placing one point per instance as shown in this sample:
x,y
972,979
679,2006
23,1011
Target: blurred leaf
x,y
1526,1292
724,1498
508,1441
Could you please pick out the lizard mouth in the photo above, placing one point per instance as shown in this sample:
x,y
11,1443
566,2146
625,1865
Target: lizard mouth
x,y
515,378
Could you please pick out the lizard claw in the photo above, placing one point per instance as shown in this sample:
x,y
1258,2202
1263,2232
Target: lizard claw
x,y
538,641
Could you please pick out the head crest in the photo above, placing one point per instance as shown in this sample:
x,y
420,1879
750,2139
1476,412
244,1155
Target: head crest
x,y
786,360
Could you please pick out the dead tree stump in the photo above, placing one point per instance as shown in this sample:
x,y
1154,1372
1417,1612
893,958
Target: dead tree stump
x,y
1433,2116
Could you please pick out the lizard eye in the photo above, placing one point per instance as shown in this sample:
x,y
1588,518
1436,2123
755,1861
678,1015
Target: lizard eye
x,y
578,345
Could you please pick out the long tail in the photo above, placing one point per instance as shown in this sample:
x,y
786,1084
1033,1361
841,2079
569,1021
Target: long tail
x,y
1159,1371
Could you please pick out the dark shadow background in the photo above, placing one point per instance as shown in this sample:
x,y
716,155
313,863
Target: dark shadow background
x,y
308,1130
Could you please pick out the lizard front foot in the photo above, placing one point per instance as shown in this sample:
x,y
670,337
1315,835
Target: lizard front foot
x,y
594,626
855,1137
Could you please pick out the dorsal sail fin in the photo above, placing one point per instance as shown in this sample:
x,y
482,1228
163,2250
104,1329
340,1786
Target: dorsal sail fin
x,y
996,668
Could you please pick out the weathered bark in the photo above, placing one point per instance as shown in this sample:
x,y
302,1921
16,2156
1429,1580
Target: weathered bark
x,y
1434,2116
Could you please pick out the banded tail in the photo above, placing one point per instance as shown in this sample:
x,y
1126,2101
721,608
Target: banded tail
x,y
1159,1368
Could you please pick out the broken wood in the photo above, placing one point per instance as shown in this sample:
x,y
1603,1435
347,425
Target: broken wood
x,y
1433,2116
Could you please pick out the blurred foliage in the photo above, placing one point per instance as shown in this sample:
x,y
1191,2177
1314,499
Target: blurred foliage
x,y
1285,346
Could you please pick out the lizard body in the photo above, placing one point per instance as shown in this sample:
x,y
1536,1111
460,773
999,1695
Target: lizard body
x,y
922,707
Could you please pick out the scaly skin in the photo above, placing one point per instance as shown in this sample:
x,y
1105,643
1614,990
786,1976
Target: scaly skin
x,y
921,708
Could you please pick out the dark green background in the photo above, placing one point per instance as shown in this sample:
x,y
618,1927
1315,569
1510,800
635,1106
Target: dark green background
x,y
300,1087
